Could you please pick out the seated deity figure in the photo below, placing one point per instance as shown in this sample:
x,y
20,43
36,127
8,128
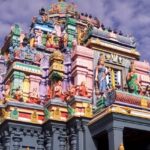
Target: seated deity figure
x,y
82,90
6,92
72,91
50,40
58,90
18,94
100,75
132,80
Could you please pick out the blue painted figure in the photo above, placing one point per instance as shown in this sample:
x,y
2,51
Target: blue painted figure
x,y
100,76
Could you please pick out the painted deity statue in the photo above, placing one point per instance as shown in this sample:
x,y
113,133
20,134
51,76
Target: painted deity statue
x,y
72,91
58,90
100,75
65,39
6,92
18,95
50,40
82,90
38,37
1,88
132,80
57,29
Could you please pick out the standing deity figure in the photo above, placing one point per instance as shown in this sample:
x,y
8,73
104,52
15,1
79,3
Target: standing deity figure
x,y
38,37
100,75
50,40
6,92
132,80
1,88
65,39
57,29
81,34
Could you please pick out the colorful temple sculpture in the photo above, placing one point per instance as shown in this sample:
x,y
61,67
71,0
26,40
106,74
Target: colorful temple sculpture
x,y
70,83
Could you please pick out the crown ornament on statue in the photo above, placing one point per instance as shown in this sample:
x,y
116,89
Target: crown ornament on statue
x,y
102,57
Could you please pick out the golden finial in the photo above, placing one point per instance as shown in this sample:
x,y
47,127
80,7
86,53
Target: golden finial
x,y
121,147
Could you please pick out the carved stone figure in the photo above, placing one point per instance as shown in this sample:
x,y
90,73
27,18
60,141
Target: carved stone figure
x,y
65,39
44,63
37,58
72,91
100,75
18,95
6,92
1,88
58,90
83,91
50,40
38,38
132,80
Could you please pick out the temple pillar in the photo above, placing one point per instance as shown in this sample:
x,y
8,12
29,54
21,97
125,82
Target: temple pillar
x,y
6,140
73,139
48,141
16,143
71,30
115,138
42,90
62,143
67,71
80,137
55,142
26,88
82,66
16,80
40,143
34,86
55,127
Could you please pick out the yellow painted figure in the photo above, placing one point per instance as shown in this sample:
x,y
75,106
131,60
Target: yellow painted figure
x,y
50,40
26,87
32,40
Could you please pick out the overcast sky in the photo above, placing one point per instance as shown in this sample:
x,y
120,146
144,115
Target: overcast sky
x,y
129,16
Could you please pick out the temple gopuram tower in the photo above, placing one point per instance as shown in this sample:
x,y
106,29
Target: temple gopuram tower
x,y
71,83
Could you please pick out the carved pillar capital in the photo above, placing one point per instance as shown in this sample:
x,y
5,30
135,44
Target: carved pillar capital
x,y
73,139
48,140
16,142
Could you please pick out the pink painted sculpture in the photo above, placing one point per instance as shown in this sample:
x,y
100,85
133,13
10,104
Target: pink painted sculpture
x,y
34,89
18,94
132,80
82,66
83,91
58,91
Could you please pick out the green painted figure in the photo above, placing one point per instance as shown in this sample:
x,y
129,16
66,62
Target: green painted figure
x,y
14,114
47,114
132,80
